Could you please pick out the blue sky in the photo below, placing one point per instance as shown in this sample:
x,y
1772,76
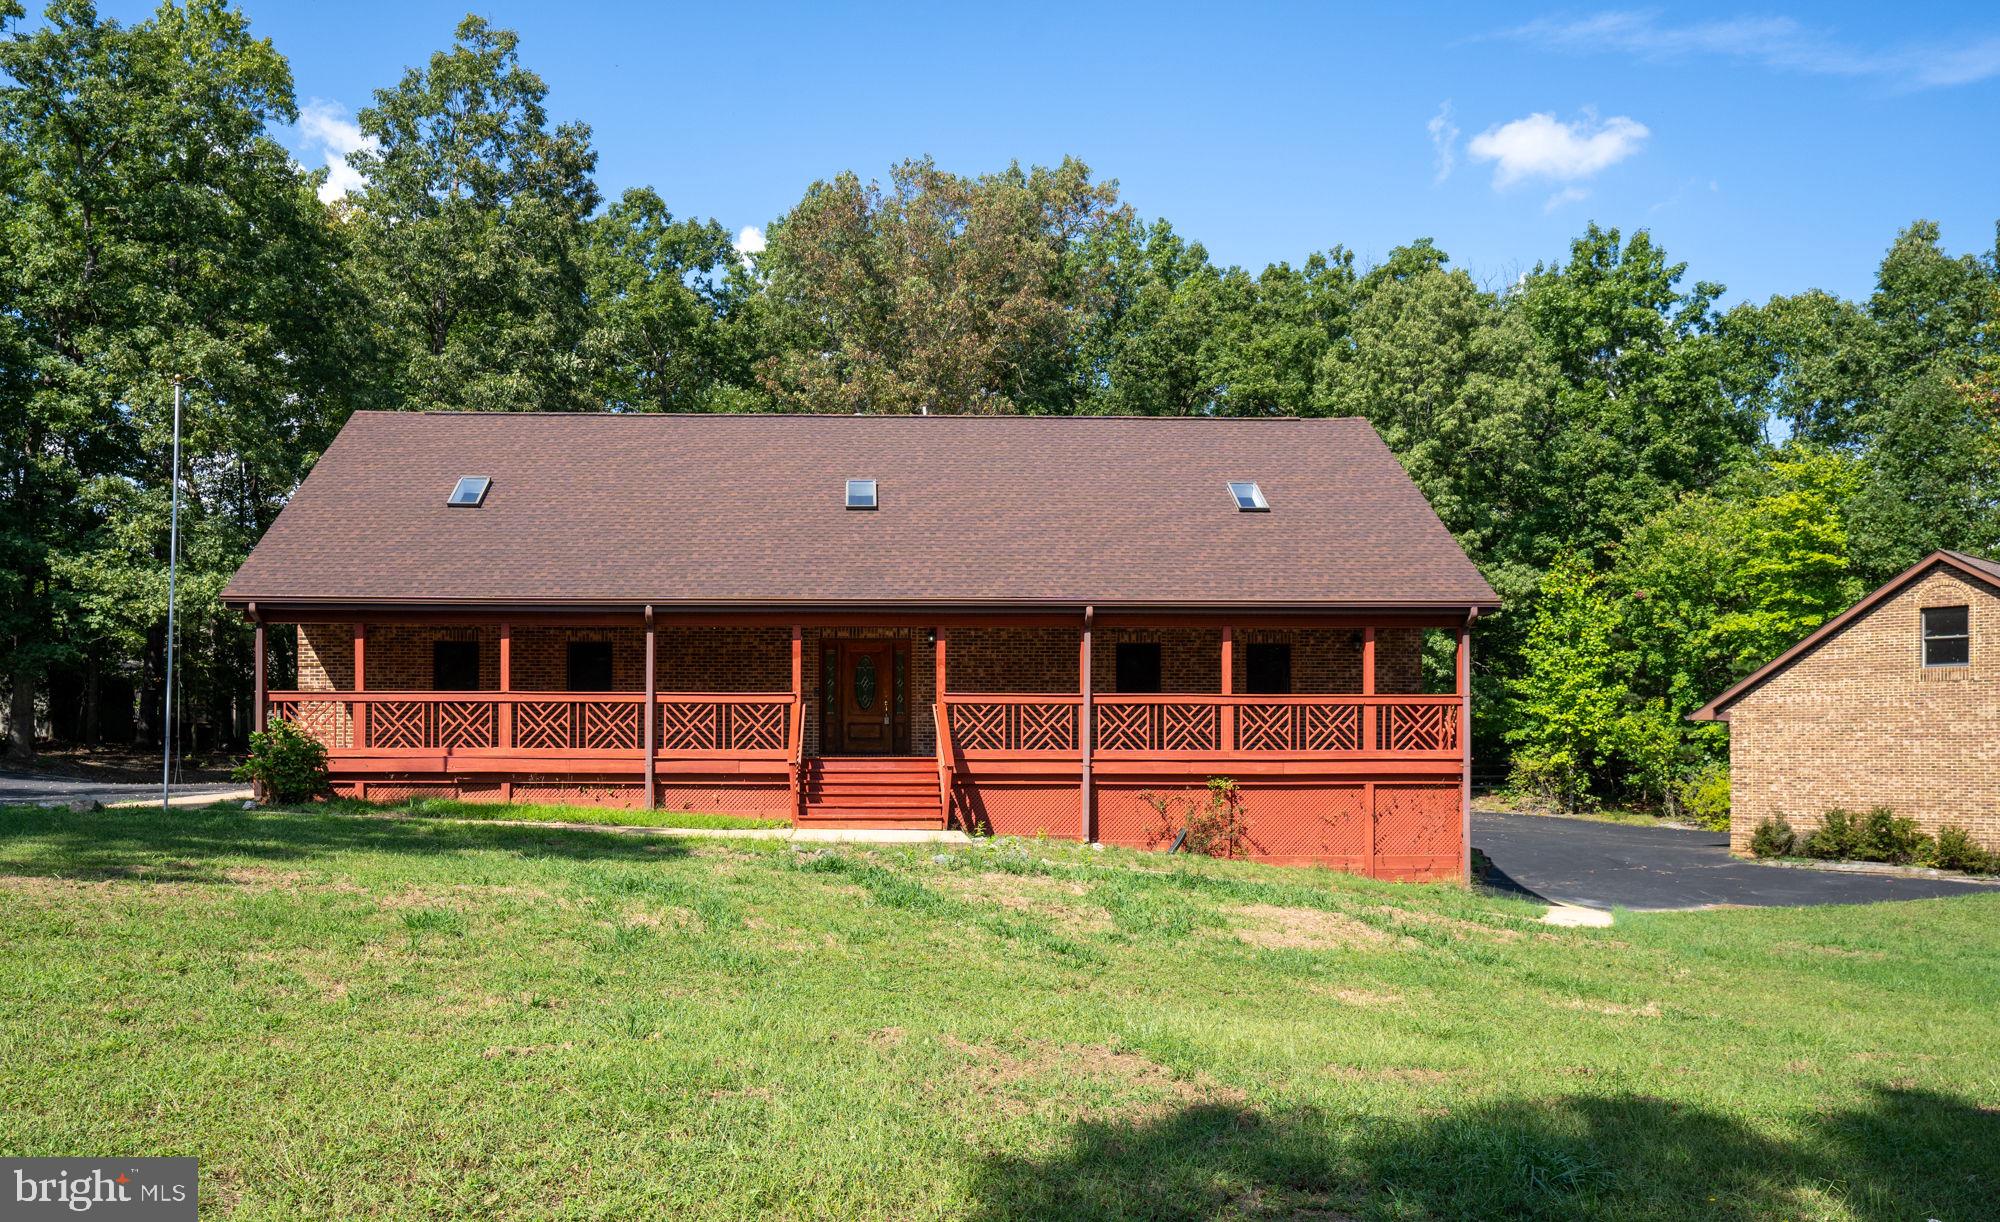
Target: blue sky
x,y
1773,149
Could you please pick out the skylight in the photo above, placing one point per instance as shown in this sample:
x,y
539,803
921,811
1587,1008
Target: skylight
x,y
861,494
469,492
1249,497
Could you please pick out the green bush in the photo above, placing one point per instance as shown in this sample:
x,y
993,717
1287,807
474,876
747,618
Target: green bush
x,y
1885,836
1955,849
1773,838
1704,796
285,764
1835,839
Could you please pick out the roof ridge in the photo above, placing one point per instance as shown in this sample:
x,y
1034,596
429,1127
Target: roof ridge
x,y
501,415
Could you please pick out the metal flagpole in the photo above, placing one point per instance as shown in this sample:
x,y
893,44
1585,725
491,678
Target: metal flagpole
x,y
173,573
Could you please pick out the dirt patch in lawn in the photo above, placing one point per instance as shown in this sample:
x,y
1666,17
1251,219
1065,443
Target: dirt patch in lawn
x,y
1650,1010
1053,898
1138,1087
1458,926
1272,927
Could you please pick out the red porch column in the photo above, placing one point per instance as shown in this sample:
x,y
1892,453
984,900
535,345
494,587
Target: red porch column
x,y
1368,711
505,728
360,684
1464,669
649,740
1085,716
795,724
1228,718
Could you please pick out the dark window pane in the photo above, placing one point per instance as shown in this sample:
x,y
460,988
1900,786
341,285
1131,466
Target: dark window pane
x,y
455,666
1946,621
590,666
1947,651
1267,668
1138,666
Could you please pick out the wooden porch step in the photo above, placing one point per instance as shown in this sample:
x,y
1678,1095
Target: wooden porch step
x,y
876,822
870,791
849,765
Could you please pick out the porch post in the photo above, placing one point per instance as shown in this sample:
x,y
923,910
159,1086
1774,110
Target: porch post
x,y
260,698
1084,723
1228,718
360,717
652,691
505,729
1465,750
795,723
1368,711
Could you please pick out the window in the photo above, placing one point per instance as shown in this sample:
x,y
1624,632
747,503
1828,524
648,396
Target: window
x,y
1267,667
1249,497
590,666
469,492
861,494
455,666
1947,636
1138,666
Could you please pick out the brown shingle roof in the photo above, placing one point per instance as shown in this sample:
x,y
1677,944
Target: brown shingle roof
x,y
748,509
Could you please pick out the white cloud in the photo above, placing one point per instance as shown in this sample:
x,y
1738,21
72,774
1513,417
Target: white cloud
x,y
1541,146
750,240
1444,139
1568,195
1773,42
327,133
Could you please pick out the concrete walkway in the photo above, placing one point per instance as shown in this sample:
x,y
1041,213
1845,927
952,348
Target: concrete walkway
x,y
1591,864
34,788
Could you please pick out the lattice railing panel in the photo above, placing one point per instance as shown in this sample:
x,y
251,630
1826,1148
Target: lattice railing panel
x,y
543,725
1419,727
399,725
1124,727
757,727
1190,727
327,721
1330,727
608,727
1014,726
465,723
690,727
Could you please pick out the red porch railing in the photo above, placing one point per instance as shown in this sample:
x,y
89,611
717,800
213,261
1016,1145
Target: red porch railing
x,y
1153,725
736,726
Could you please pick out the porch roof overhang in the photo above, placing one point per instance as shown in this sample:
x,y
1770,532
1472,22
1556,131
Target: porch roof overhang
x,y
821,613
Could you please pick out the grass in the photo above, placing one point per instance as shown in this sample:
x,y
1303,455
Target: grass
x,y
605,816
414,1019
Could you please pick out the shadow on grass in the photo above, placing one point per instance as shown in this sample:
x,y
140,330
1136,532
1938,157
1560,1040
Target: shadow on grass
x,y
1901,1154
179,846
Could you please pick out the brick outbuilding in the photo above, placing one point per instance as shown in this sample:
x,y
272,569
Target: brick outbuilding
x,y
1895,702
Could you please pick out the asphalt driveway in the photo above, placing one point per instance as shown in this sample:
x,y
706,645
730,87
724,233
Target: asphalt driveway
x,y
1614,865
30,787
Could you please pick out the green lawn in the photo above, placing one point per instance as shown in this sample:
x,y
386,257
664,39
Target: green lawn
x,y
525,812
404,1018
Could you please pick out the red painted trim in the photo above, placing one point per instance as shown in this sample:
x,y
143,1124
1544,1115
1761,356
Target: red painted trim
x,y
650,719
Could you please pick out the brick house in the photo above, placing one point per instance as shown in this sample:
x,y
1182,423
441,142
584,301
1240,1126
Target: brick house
x,y
1022,625
1895,702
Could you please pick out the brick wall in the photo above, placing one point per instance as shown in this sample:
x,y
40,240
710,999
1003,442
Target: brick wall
x,y
1860,722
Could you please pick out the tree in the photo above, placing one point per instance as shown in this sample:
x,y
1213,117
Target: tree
x,y
471,233
941,293
1568,692
161,234
674,317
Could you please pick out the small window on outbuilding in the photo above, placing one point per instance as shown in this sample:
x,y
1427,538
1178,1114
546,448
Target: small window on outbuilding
x,y
1249,497
469,492
1138,666
1267,668
455,666
861,494
590,666
1947,636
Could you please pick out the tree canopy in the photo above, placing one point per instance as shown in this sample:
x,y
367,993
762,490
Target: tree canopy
x,y
1666,492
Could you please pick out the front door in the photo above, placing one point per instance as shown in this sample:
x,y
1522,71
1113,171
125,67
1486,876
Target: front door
x,y
867,698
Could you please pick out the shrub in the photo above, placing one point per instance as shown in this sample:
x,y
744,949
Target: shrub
x,y
1884,836
1773,838
1704,796
286,764
1955,849
1213,825
1836,837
